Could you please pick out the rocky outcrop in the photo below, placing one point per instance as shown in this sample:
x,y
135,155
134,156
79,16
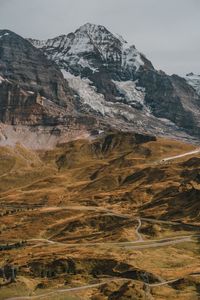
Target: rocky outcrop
x,y
170,97
27,81
94,267
24,64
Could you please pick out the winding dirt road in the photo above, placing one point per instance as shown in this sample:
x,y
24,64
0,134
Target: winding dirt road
x,y
75,289
91,286
141,243
180,155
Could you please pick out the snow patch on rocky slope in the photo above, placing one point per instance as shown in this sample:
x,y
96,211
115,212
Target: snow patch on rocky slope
x,y
130,92
141,118
4,34
194,81
96,101
87,92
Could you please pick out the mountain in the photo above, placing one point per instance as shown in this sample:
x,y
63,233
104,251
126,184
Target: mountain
x,y
115,80
86,82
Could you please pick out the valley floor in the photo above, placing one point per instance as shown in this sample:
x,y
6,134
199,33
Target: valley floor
x,y
112,218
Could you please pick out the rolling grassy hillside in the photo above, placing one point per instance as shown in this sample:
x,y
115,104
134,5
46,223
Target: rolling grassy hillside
x,y
108,210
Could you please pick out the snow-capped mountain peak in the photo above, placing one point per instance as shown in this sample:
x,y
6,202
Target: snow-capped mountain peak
x,y
92,28
97,65
91,47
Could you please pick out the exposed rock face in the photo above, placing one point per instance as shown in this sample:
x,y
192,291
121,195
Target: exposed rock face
x,y
21,62
170,97
27,81
121,83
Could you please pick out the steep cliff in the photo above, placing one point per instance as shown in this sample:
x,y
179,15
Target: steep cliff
x,y
31,86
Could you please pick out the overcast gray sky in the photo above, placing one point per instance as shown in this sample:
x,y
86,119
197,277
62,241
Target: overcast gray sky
x,y
166,31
